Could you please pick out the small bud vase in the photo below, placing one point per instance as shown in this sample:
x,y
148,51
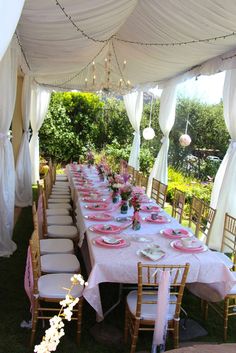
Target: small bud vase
x,y
136,225
115,197
124,207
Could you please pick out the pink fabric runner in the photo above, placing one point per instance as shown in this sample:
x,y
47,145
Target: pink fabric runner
x,y
161,322
29,279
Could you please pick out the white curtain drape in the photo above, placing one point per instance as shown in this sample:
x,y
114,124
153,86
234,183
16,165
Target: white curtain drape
x,y
166,122
10,12
23,165
40,98
134,107
224,190
8,83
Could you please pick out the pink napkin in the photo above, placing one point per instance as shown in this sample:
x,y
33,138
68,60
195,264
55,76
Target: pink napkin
x,y
182,233
87,199
121,244
29,279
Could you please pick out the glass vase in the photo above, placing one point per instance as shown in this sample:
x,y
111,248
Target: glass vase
x,y
115,197
124,207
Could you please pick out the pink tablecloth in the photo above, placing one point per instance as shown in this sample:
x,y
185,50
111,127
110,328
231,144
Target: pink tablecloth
x,y
120,265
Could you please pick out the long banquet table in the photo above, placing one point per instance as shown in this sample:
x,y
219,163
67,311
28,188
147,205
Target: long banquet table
x,y
120,265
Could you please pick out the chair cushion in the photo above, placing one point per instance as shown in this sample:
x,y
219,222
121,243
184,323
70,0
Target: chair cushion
x,y
59,192
233,289
148,311
61,187
60,200
52,286
65,197
66,206
60,220
62,232
56,246
60,263
61,177
61,184
57,212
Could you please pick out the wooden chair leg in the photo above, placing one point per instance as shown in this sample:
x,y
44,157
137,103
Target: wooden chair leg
x,y
135,336
126,330
226,317
176,334
80,308
205,309
34,322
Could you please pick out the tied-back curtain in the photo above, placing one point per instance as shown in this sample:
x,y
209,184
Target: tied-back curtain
x,y
23,165
10,12
224,189
166,122
134,107
39,105
8,83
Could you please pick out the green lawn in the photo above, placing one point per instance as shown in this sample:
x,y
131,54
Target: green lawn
x,y
15,308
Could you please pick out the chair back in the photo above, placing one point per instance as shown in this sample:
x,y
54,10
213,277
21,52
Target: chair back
x,y
206,222
148,282
35,258
195,214
47,185
229,237
143,182
159,192
135,177
178,205
130,171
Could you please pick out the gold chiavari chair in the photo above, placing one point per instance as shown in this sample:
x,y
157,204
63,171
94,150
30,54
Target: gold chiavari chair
x,y
178,205
159,192
50,289
206,222
130,171
141,304
228,245
135,177
195,214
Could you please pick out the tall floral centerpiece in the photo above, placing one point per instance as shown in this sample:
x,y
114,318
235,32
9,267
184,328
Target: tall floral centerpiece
x,y
90,158
101,171
136,219
125,193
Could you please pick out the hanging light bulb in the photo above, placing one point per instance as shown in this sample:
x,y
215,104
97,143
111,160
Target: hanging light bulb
x,y
148,132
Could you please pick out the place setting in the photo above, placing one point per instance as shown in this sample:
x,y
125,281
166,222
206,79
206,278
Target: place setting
x,y
106,228
156,218
152,252
102,206
150,208
175,233
111,242
189,245
99,217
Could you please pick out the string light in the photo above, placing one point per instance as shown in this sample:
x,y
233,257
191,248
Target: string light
x,y
167,44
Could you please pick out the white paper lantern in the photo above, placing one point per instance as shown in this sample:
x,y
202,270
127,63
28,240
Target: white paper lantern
x,y
185,140
148,133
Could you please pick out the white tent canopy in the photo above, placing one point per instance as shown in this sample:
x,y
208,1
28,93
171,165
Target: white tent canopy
x,y
66,42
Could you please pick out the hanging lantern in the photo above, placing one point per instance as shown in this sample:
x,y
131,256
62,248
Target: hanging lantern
x,y
148,133
185,140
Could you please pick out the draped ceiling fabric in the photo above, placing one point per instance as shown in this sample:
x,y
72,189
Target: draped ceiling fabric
x,y
223,195
134,107
10,12
158,39
8,81
166,122
23,165
40,98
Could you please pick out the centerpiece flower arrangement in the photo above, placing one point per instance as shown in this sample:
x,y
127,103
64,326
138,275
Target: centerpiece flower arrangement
x,y
90,158
136,219
101,171
125,193
115,183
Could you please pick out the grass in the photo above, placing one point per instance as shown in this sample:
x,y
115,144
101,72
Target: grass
x,y
15,308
